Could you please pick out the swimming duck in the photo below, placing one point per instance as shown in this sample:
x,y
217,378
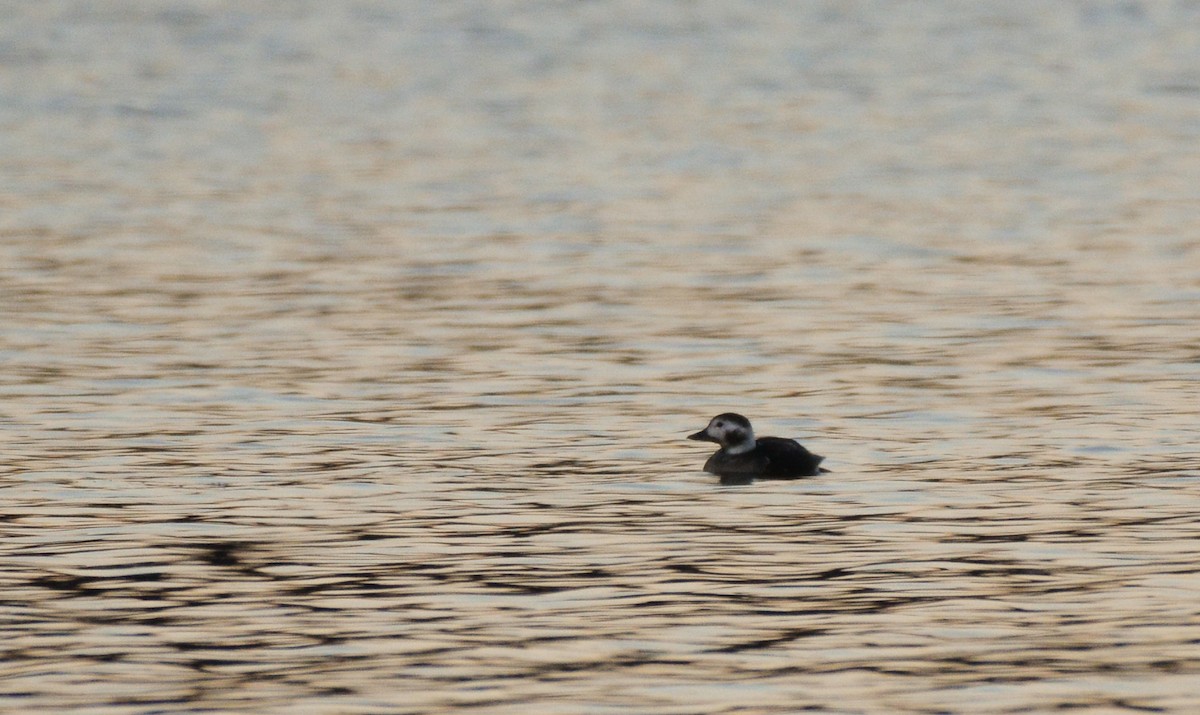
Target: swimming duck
x,y
742,458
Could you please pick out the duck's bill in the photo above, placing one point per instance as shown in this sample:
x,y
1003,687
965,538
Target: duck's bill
x,y
702,436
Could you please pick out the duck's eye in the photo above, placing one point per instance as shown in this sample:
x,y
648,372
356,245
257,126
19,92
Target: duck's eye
x,y
720,425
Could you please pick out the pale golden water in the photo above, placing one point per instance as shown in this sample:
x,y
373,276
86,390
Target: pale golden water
x,y
348,351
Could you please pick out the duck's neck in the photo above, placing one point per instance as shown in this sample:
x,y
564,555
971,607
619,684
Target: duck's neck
x,y
745,445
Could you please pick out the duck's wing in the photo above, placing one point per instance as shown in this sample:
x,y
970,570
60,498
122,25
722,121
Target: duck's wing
x,y
787,458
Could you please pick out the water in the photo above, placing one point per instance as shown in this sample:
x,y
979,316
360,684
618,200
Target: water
x,y
349,349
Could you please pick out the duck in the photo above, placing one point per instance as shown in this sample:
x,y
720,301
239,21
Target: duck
x,y
743,458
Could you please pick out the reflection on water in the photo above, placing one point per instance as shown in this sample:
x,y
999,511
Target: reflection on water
x,y
349,352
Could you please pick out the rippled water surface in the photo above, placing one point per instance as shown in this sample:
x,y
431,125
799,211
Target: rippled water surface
x,y
348,350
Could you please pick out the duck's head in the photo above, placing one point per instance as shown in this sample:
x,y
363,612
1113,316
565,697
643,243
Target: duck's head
x,y
730,430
